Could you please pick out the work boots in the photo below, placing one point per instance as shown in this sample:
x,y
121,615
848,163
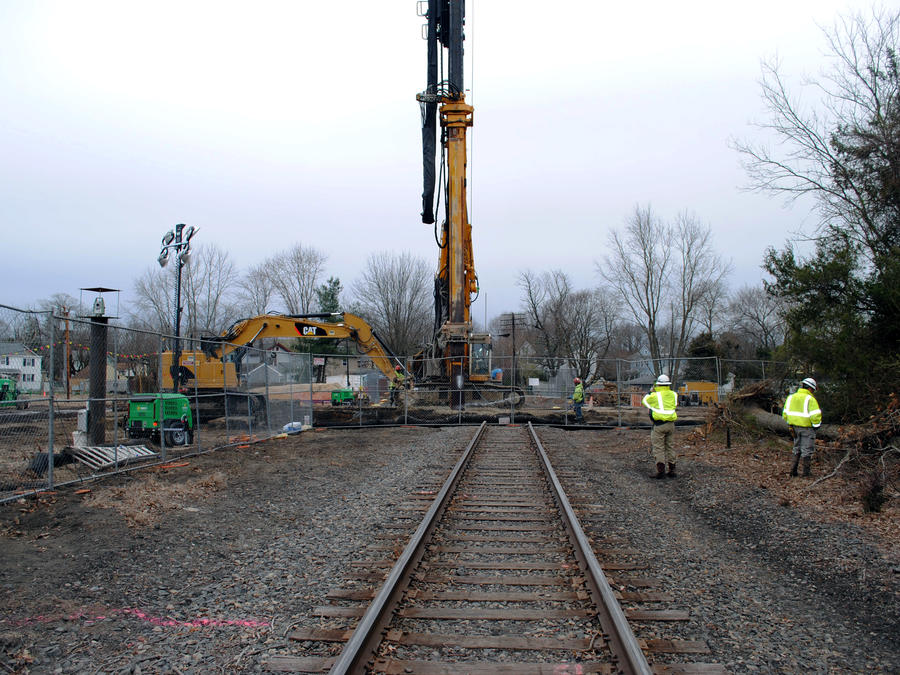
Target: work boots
x,y
660,471
794,465
806,462
671,473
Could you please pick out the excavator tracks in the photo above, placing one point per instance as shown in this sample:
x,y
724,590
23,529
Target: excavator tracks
x,y
497,577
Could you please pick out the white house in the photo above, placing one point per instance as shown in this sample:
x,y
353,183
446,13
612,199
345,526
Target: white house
x,y
23,364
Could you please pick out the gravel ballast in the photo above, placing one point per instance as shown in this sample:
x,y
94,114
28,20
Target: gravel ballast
x,y
207,567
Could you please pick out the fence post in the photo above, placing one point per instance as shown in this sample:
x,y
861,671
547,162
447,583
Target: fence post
x,y
268,393
197,437
50,415
309,370
249,415
162,434
116,398
225,395
718,379
619,390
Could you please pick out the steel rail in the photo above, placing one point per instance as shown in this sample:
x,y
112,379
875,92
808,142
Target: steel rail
x,y
361,646
623,643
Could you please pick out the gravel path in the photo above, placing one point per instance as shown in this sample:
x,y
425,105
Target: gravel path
x,y
206,567
768,589
252,556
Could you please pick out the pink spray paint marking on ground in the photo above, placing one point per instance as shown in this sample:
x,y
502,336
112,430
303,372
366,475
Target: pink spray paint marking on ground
x,y
143,616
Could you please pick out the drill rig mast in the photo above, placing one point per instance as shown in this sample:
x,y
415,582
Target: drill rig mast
x,y
455,355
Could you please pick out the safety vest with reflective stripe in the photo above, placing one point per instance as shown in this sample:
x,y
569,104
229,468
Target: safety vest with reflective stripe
x,y
802,410
662,403
578,394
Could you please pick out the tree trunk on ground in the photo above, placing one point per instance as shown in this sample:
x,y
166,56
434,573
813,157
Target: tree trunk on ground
x,y
776,423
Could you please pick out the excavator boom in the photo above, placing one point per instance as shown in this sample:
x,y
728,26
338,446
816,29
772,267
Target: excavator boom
x,y
207,369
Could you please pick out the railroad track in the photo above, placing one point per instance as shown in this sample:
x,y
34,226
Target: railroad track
x,y
497,577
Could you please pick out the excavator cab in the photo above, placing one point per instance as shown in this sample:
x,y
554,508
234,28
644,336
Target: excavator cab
x,y
480,357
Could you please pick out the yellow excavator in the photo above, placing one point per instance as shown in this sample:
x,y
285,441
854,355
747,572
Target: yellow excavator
x,y
213,371
456,358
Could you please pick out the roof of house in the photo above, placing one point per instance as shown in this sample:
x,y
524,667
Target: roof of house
x,y
14,348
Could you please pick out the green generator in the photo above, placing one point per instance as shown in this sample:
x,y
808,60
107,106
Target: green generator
x,y
170,413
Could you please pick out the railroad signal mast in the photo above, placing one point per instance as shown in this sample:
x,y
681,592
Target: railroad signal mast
x,y
456,355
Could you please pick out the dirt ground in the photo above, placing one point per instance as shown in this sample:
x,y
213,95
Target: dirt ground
x,y
204,564
765,463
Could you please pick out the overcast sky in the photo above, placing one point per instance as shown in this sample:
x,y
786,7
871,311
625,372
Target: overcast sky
x,y
271,123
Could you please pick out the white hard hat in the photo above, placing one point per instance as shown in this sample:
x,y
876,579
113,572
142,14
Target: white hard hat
x,y
809,383
664,380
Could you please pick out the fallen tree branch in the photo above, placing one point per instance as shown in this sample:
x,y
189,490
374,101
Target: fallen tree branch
x,y
836,469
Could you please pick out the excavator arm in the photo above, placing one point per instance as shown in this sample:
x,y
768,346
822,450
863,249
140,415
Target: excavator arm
x,y
241,334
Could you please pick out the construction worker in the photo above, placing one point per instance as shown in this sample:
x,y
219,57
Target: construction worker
x,y
662,402
396,383
578,400
802,413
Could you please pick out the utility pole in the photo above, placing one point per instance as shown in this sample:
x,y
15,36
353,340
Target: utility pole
x,y
508,323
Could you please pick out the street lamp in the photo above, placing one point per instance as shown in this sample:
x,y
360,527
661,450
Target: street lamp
x,y
178,241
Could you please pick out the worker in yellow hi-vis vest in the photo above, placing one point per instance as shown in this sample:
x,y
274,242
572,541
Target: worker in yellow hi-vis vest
x,y
662,402
802,412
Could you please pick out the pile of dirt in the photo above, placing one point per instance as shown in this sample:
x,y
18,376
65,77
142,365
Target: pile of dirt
x,y
144,502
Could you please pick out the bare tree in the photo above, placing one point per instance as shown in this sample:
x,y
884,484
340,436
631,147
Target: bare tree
x,y
154,303
829,152
255,291
638,271
208,284
294,276
545,300
756,314
589,330
663,273
394,294
628,339
699,270
713,298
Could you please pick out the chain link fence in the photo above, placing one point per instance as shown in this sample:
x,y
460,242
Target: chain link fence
x,y
81,398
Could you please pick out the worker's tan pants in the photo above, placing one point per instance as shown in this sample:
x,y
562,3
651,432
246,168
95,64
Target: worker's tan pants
x,y
661,437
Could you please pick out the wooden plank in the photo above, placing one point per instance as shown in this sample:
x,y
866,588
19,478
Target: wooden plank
x,y
512,518
320,635
689,669
351,593
502,580
500,550
524,527
510,596
622,566
503,539
637,582
398,667
336,612
488,641
657,615
506,565
300,664
660,646
493,503
486,614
